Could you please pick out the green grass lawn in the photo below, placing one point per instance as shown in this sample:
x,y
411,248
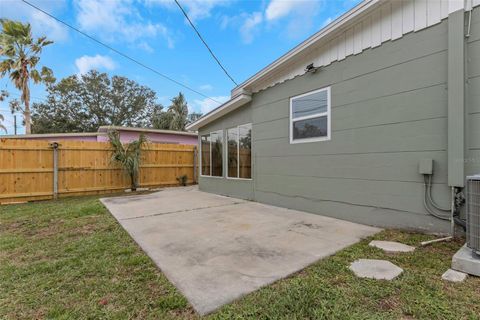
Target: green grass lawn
x,y
70,259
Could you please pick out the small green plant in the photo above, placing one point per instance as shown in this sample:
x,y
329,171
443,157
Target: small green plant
x,y
182,180
128,155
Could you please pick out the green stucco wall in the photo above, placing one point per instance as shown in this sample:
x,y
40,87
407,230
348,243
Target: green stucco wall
x,y
389,111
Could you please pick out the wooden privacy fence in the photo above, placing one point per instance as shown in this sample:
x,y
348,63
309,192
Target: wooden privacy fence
x,y
27,170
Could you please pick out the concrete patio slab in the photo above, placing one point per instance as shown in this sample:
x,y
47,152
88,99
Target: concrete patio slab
x,y
216,249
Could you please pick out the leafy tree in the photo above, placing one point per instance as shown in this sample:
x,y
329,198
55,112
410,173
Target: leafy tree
x,y
21,54
84,103
3,95
128,155
176,117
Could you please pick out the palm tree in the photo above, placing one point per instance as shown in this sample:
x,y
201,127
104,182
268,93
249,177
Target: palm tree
x,y
128,155
179,109
21,54
175,118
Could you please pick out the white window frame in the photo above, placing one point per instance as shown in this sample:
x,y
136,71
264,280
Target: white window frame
x,y
201,153
238,152
316,115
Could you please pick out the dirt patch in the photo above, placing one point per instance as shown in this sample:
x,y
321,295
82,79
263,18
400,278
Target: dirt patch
x,y
389,303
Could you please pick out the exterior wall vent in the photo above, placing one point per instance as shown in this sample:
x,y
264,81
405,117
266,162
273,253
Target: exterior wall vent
x,y
473,213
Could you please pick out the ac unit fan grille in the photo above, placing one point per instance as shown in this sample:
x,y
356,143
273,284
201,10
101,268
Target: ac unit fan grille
x,y
473,213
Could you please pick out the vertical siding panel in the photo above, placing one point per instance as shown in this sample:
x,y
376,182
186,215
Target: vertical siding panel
x,y
408,16
367,33
386,22
376,28
443,9
420,14
323,55
433,12
454,5
319,61
397,20
334,49
357,39
349,42
326,54
341,46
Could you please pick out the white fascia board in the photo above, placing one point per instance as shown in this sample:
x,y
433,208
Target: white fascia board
x,y
225,108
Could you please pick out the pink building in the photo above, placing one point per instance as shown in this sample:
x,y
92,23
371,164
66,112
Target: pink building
x,y
127,134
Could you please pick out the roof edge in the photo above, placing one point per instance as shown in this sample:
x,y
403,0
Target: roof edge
x,y
120,128
331,27
223,109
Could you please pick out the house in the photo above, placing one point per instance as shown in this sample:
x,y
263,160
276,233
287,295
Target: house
x,y
353,121
127,134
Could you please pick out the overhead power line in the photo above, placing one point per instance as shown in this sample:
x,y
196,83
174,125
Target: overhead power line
x,y
205,43
121,53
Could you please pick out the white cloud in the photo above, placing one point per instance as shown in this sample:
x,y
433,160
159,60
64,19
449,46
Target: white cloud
x,y
145,46
206,87
42,25
249,26
207,105
87,63
118,20
279,8
196,9
301,12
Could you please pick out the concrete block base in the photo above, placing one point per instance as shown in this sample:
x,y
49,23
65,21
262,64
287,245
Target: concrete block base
x,y
466,261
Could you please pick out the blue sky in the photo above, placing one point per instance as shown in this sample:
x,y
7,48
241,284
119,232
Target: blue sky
x,y
245,35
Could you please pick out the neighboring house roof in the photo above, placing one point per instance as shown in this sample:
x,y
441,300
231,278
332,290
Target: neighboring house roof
x,y
367,25
101,131
49,135
120,128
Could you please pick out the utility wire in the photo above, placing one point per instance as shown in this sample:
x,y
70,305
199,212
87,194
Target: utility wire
x,y
121,53
205,43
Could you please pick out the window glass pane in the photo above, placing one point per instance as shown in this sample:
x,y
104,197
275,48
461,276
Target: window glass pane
x,y
205,155
310,128
232,138
245,154
310,104
217,152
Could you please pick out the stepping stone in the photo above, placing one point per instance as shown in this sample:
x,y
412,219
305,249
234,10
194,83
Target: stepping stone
x,y
391,246
454,276
375,269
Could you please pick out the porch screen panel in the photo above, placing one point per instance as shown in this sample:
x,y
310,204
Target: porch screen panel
x,y
245,151
232,158
205,145
217,152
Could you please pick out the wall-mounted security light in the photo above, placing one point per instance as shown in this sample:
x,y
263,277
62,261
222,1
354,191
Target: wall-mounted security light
x,y
311,68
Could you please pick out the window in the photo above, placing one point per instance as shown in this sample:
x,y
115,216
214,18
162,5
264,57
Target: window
x,y
211,154
310,116
239,152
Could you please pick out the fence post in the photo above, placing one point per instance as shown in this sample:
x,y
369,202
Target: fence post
x,y
55,145
195,164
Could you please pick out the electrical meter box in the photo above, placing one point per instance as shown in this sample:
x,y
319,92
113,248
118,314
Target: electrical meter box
x,y
425,166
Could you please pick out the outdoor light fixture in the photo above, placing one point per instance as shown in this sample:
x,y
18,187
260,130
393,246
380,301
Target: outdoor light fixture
x,y
310,68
